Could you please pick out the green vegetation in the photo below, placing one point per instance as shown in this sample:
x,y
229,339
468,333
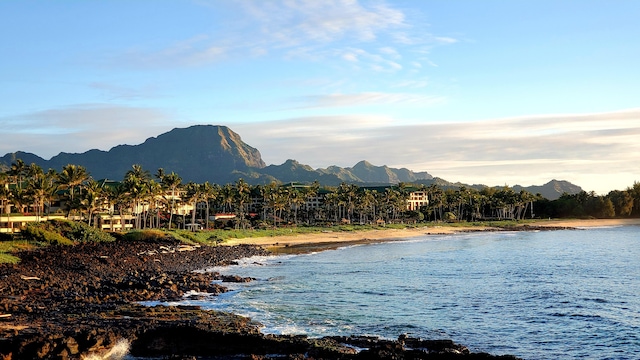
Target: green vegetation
x,y
144,235
159,206
54,232
8,246
65,232
148,201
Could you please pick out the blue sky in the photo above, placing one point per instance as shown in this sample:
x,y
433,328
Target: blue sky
x,y
492,92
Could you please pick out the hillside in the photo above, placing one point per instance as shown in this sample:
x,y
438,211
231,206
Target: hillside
x,y
551,190
198,153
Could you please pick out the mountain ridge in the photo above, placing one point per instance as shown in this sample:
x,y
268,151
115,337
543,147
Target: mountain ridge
x,y
216,154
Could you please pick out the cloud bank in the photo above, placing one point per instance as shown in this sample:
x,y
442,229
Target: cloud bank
x,y
584,149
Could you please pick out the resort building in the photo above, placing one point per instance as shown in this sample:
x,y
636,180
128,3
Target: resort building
x,y
417,199
13,223
115,222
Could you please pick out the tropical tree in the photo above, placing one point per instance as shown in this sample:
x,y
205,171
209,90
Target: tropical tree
x,y
137,182
210,193
5,195
71,177
242,196
171,182
436,200
153,197
92,196
269,195
41,187
227,197
18,171
622,202
309,193
194,194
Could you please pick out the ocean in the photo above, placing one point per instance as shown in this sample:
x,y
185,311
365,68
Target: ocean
x,y
567,294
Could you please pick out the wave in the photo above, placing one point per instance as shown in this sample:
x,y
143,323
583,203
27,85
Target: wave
x,y
117,352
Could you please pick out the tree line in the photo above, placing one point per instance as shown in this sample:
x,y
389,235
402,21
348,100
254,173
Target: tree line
x,y
154,200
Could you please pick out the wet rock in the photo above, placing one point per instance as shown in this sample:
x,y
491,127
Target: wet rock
x,y
84,301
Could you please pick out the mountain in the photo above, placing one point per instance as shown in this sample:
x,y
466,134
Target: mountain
x,y
367,173
198,153
216,154
293,171
552,190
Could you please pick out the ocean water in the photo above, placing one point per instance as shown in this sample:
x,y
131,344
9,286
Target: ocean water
x,y
570,294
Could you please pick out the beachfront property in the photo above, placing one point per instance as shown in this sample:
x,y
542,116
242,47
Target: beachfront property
x,y
14,222
111,222
417,199
300,200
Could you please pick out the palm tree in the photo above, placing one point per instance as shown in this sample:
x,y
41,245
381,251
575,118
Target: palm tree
x,y
50,177
242,196
367,205
171,182
347,194
92,196
309,193
194,195
153,194
210,193
137,181
391,201
41,189
71,177
279,202
296,201
332,204
19,199
5,195
269,193
17,171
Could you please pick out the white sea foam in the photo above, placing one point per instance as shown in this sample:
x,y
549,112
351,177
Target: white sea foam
x,y
117,352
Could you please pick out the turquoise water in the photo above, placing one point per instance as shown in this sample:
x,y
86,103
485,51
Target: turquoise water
x,y
538,295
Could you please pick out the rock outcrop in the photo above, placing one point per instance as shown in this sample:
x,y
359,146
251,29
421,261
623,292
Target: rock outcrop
x,y
68,302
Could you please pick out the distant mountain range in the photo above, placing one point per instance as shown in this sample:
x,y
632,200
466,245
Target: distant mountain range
x,y
217,154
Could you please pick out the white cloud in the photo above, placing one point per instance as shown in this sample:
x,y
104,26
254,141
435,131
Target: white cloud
x,y
391,52
196,51
300,22
596,151
367,98
303,29
80,128
412,83
350,57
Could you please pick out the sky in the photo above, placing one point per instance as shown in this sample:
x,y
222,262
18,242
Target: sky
x,y
482,92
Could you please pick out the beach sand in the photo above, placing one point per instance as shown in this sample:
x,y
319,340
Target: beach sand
x,y
329,239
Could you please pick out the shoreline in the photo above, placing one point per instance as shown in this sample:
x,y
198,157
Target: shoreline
x,y
68,302
83,301
331,240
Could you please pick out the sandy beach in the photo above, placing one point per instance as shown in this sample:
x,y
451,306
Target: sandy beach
x,y
331,239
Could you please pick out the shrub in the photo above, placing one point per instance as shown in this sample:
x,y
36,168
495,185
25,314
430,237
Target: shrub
x,y
8,259
144,235
39,232
65,232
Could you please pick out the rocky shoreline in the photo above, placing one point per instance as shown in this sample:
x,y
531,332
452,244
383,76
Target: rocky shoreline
x,y
74,302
